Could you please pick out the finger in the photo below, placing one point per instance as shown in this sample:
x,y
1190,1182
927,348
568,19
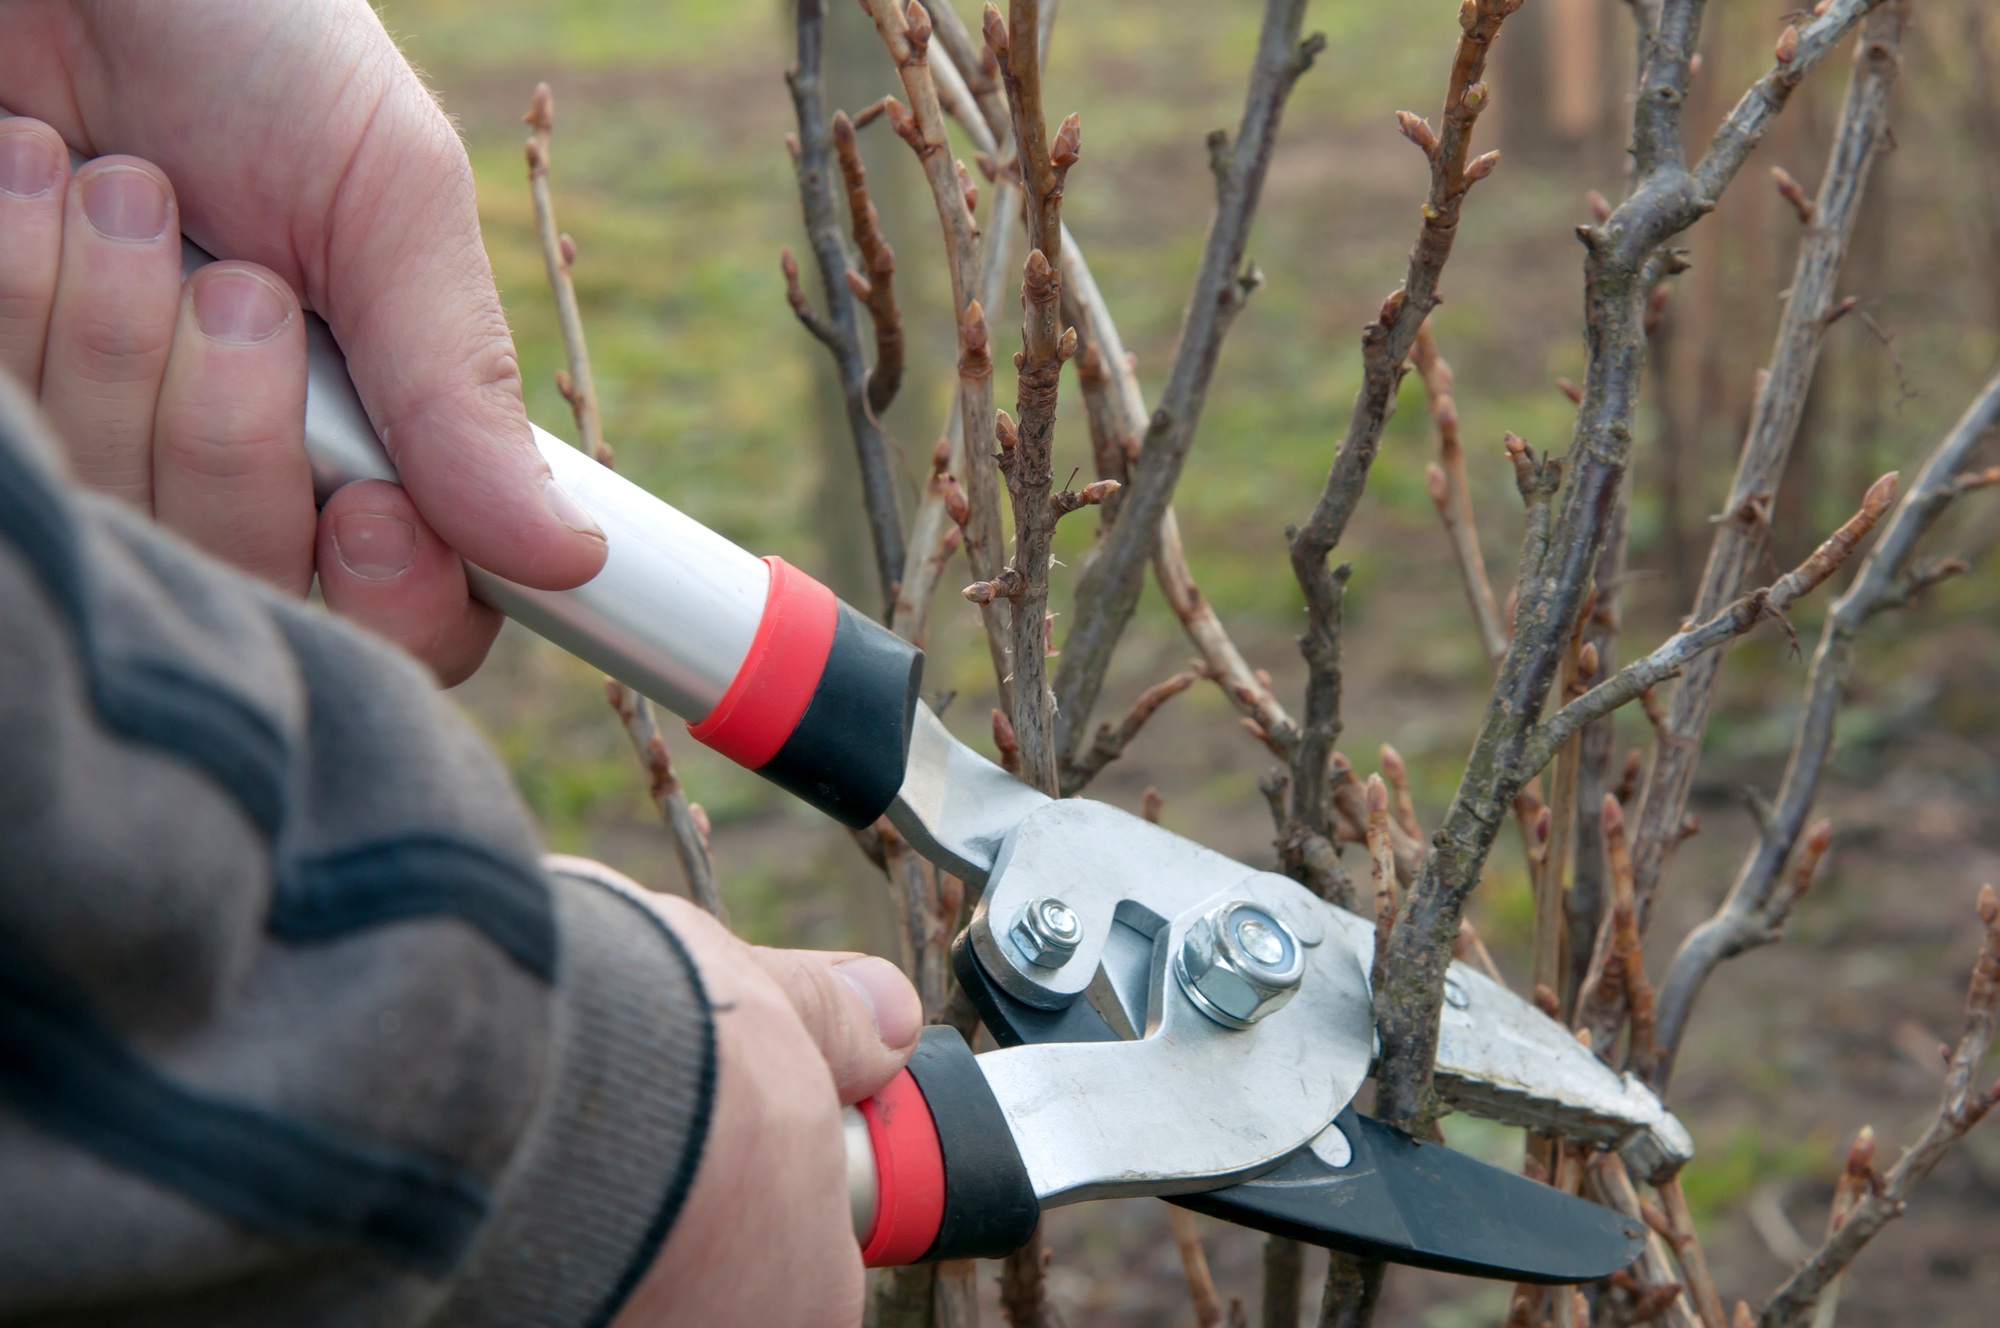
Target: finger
x,y
112,323
410,297
34,173
229,460
861,1011
382,565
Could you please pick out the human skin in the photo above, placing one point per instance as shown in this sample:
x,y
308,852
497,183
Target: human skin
x,y
299,141
295,139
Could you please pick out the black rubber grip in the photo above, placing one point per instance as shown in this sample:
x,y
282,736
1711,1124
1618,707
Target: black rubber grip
x,y
846,756
990,1208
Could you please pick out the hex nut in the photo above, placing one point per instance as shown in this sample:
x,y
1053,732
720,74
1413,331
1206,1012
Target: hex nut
x,y
1239,962
1047,932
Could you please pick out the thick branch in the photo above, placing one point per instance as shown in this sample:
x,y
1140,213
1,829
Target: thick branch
x,y
1027,451
1743,534
1108,591
840,330
1624,263
1751,914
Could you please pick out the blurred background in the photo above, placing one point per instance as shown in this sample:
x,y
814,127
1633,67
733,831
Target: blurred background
x,y
670,171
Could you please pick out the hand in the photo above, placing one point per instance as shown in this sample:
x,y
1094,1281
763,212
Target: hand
x,y
297,139
765,1236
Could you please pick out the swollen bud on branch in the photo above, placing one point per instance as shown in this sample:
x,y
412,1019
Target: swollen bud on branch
x,y
1436,484
1481,166
567,248
1475,98
1586,660
1004,431
956,505
919,20
995,29
904,123
1066,345
966,187
1793,192
1067,147
858,284
1468,15
1418,130
1788,45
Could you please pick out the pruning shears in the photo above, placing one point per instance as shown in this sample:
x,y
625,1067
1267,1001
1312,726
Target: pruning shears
x,y
1171,1022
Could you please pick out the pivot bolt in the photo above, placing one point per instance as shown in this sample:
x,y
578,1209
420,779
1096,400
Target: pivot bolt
x,y
1047,932
1239,963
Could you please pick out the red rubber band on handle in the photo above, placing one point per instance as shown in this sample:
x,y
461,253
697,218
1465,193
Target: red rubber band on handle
x,y
909,1175
775,683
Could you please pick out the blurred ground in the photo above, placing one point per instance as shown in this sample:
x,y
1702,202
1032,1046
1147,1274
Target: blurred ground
x,y
671,173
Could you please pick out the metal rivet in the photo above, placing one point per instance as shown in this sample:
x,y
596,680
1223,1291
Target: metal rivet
x,y
1455,994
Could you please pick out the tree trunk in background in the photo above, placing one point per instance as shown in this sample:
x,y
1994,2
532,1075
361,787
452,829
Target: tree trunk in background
x,y
1575,36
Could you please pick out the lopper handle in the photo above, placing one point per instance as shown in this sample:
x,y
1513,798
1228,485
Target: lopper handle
x,y
765,664
932,1170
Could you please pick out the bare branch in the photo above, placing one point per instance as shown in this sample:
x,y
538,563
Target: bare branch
x,y
921,125
579,386
944,509
1027,450
1110,743
1194,1266
1452,494
1962,1106
1752,913
1107,591
1743,534
687,825
840,330
1673,657
874,286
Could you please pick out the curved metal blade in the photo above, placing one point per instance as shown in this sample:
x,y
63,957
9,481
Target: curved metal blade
x,y
1406,1201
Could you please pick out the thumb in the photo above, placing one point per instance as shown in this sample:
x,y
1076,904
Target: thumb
x,y
860,1010
409,293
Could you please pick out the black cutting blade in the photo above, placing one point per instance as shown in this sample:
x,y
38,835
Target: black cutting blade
x,y
1397,1198
1408,1201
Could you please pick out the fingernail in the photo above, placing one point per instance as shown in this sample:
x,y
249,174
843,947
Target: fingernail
x,y
28,165
887,994
568,510
238,306
125,203
375,547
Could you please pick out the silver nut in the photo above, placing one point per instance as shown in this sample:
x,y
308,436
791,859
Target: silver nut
x,y
1239,963
1047,932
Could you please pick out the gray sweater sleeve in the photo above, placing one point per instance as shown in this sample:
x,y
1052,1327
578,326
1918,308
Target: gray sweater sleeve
x,y
294,1028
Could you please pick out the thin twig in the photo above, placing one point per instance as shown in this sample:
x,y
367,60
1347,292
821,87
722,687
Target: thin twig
x,y
578,386
1110,743
1385,344
907,33
1452,493
1194,1266
1753,912
687,826
1962,1106
1107,591
839,329
1743,534
874,286
1676,653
